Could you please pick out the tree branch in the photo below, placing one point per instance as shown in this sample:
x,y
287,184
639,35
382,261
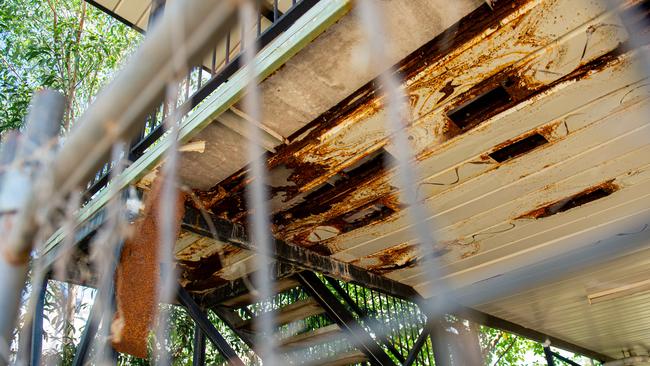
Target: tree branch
x,y
13,70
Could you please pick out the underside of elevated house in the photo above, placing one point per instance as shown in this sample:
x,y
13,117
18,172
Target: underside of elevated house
x,y
529,134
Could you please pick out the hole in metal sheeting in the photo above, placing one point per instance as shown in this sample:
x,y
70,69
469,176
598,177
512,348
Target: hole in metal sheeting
x,y
588,195
480,108
519,147
365,216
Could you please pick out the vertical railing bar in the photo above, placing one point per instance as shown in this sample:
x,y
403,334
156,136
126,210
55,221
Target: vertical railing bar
x,y
227,49
259,21
402,326
396,330
407,323
398,316
188,80
242,38
385,314
414,354
200,79
165,110
198,351
36,338
213,69
275,11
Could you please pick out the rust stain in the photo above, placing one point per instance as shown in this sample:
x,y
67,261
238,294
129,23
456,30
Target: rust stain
x,y
136,278
313,161
401,256
588,195
325,189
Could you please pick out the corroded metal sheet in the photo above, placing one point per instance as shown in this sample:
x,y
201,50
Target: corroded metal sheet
x,y
331,183
530,132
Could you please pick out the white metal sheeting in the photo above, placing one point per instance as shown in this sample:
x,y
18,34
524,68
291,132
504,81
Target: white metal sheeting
x,y
493,216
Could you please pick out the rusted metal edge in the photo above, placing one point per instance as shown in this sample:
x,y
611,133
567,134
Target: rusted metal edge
x,y
299,257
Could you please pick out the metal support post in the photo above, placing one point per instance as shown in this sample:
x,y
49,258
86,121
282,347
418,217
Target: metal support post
x,y
43,123
548,354
207,327
198,355
339,314
37,326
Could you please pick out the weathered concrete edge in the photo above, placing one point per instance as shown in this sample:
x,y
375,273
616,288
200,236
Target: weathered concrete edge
x,y
305,30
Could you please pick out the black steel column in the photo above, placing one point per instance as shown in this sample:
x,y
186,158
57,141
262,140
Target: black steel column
x,y
198,355
564,359
37,326
549,356
207,327
339,314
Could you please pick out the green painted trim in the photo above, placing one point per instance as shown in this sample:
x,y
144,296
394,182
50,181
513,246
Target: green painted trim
x,y
300,34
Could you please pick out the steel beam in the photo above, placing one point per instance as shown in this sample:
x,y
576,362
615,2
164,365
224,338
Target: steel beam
x,y
198,353
417,346
297,256
339,314
548,354
239,286
207,327
231,319
564,359
37,326
374,325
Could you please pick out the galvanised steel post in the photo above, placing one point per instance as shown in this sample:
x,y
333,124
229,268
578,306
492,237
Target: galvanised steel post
x,y
38,143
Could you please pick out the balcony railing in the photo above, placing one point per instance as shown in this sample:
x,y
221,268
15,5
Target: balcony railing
x,y
217,67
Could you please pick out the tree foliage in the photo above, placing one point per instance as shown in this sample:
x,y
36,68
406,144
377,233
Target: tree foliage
x,y
65,45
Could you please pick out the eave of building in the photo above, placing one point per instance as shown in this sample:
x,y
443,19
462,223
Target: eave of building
x,y
565,122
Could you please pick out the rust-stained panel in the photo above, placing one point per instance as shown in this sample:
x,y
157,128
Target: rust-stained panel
x,y
530,132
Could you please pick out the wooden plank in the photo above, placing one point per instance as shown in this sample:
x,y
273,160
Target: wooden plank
x,y
307,28
293,312
342,359
311,338
248,298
